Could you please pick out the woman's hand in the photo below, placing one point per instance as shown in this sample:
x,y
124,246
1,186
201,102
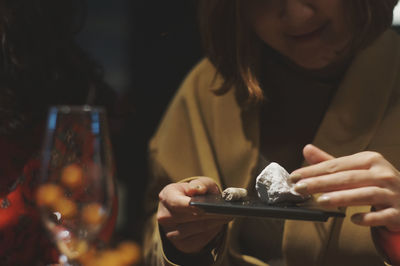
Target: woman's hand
x,y
188,229
364,178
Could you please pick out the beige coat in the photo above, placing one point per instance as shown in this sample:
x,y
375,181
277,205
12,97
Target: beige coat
x,y
206,135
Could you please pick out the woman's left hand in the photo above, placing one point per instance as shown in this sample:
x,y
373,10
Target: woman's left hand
x,y
364,178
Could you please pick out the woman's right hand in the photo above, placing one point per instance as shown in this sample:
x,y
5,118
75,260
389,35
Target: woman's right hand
x,y
187,227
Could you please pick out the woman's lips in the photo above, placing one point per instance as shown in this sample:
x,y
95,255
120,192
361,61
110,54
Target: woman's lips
x,y
308,35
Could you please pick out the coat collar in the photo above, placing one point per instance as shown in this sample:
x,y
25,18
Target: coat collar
x,y
361,99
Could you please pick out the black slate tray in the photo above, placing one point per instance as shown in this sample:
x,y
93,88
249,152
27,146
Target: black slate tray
x,y
253,207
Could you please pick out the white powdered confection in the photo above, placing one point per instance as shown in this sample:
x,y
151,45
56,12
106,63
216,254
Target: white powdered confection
x,y
234,194
272,185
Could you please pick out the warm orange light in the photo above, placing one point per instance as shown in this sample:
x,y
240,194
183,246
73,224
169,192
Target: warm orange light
x,y
129,252
92,214
72,176
73,248
47,194
66,207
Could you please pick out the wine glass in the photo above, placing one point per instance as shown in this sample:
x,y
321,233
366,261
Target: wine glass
x,y
77,178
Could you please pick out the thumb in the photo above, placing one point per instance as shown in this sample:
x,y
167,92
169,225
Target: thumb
x,y
314,155
202,185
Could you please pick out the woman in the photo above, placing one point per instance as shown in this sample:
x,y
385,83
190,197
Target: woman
x,y
280,75
41,65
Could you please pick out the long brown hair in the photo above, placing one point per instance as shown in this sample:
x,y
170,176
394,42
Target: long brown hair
x,y
232,49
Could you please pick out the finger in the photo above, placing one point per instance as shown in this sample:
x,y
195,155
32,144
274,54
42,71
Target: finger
x,y
362,160
185,230
374,196
196,242
338,181
202,185
176,196
314,155
387,217
173,198
166,218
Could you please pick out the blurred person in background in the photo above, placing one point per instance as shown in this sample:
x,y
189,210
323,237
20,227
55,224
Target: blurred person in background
x,y
277,76
40,65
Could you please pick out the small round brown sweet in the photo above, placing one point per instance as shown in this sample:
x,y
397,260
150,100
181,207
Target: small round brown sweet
x,y
109,257
47,194
93,214
66,207
88,258
129,252
72,176
73,248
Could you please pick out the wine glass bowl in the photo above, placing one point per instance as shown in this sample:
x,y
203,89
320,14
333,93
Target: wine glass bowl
x,y
76,190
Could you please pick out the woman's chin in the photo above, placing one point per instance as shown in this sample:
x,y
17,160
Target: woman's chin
x,y
313,65
321,68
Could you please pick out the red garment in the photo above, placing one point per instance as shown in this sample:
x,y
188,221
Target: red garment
x,y
23,239
388,243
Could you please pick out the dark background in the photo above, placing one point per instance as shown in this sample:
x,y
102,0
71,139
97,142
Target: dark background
x,y
146,48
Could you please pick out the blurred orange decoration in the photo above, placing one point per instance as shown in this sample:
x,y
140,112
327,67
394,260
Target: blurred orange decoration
x,y
52,196
72,176
66,207
73,248
55,197
126,253
47,194
93,214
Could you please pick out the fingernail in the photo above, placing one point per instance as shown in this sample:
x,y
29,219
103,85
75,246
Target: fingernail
x,y
323,199
172,235
295,177
356,218
301,188
195,187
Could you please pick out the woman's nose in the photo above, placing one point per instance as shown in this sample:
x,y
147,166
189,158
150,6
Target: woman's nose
x,y
297,11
